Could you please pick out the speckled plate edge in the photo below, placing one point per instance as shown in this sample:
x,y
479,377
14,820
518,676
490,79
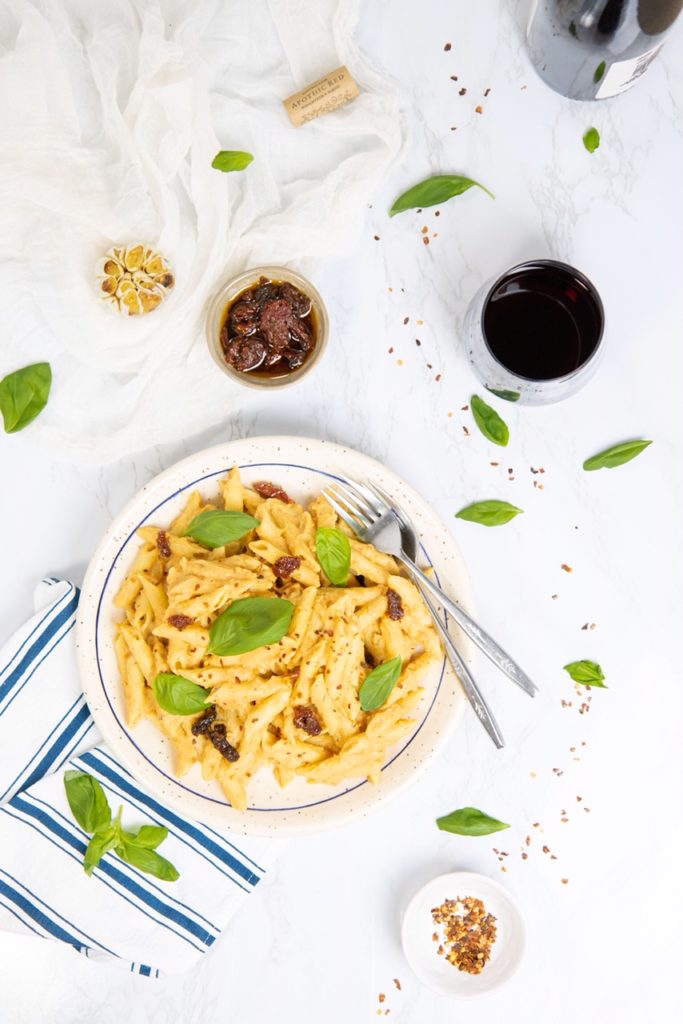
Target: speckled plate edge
x,y
337,805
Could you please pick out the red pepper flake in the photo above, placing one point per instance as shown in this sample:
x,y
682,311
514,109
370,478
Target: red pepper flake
x,y
565,881
587,810
376,237
406,319
418,342
465,431
381,997
454,78
437,378
525,856
286,565
397,983
546,849
267,490
566,568
554,597
391,350
462,92
179,621
163,544
437,213
479,110
425,240
453,128
486,92
425,229
447,47
464,408
395,608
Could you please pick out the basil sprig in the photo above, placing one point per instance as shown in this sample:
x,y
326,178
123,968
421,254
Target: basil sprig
x,y
216,527
90,808
489,422
23,395
469,821
489,513
379,683
586,672
249,623
616,456
334,554
591,139
434,191
231,160
180,696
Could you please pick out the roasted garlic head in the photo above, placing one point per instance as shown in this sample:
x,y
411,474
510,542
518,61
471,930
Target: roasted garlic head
x,y
134,279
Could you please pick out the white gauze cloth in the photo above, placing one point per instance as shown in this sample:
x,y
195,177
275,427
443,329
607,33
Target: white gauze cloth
x,y
112,113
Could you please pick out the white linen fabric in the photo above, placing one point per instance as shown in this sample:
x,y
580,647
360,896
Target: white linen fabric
x,y
119,914
112,113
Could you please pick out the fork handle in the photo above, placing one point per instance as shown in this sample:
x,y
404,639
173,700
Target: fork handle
x,y
472,692
482,639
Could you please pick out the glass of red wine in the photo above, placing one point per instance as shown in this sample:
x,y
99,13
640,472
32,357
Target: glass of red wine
x,y
534,335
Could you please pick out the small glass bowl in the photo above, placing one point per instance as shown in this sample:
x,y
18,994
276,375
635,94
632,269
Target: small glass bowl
x,y
230,291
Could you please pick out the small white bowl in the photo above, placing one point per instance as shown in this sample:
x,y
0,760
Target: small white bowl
x,y
420,949
230,291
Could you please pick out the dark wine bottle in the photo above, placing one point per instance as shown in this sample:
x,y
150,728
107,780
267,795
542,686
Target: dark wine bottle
x,y
593,49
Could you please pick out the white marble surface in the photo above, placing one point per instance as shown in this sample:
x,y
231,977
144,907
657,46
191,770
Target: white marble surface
x,y
320,940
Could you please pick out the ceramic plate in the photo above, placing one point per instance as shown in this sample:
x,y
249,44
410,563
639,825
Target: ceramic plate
x,y
302,467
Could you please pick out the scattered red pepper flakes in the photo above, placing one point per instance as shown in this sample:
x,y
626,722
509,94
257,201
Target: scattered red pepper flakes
x,y
391,350
486,92
180,621
425,240
454,128
546,849
465,431
418,342
462,92
566,568
565,881
425,229
397,983
447,47
525,856
406,319
163,545
437,213
376,237
381,997
437,378
554,597
464,408
479,110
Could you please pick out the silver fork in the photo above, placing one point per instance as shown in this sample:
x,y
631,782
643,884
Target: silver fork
x,y
372,520
410,542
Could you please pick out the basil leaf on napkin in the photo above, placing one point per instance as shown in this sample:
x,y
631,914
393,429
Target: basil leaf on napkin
x,y
379,683
334,554
148,836
489,513
101,843
616,456
591,139
249,623
180,696
87,800
469,821
23,395
231,160
147,860
586,672
435,190
216,527
489,422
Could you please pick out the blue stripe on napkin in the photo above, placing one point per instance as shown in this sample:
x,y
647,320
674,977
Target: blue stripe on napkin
x,y
119,914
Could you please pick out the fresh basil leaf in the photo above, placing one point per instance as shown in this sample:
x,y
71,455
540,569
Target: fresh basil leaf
x,y
489,422
434,191
231,160
334,554
469,821
100,844
23,395
489,513
217,527
147,836
249,623
147,860
87,801
616,456
588,673
591,139
599,71
379,683
180,696
509,396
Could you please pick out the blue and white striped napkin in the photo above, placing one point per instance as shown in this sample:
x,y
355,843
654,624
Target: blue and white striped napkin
x,y
147,926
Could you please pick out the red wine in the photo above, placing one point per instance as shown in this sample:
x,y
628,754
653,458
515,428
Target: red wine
x,y
593,49
542,320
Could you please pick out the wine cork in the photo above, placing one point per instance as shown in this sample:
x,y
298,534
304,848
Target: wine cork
x,y
329,92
